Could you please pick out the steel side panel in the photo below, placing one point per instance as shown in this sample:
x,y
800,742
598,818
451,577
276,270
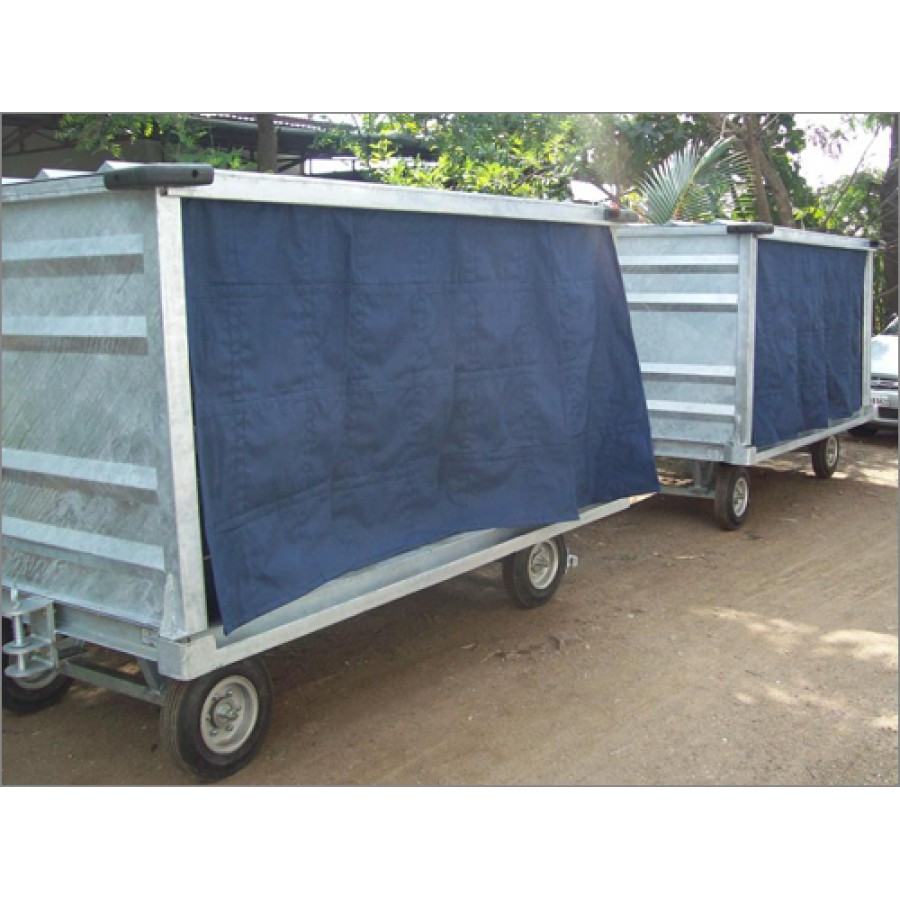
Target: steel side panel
x,y
88,488
687,299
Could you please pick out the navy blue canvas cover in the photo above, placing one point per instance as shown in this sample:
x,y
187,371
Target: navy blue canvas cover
x,y
366,382
809,322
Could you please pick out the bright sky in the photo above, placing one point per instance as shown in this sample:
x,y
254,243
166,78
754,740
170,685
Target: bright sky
x,y
819,168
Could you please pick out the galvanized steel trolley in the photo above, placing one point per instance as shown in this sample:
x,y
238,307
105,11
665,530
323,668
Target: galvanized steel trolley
x,y
704,344
102,526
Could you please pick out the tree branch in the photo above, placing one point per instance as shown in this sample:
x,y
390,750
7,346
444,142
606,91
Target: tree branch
x,y
750,140
782,198
849,183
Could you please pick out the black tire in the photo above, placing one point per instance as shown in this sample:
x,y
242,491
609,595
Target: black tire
x,y
732,502
864,430
532,575
214,725
30,695
826,455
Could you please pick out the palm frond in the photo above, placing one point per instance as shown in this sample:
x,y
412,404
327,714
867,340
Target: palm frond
x,y
693,185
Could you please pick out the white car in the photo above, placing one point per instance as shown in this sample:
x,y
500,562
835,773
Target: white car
x,y
884,381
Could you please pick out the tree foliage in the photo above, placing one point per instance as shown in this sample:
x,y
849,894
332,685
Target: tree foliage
x,y
862,204
619,150
616,151
890,220
694,185
516,154
178,135
850,206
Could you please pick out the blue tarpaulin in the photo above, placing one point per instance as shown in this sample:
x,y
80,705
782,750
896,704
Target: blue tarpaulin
x,y
809,324
367,382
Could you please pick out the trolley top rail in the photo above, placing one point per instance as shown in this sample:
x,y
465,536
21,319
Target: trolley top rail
x,y
202,182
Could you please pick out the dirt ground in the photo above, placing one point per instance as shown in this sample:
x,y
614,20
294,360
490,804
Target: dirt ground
x,y
675,654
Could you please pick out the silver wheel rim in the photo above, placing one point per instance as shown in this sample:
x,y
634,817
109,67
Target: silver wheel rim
x,y
36,682
543,564
741,497
831,452
229,714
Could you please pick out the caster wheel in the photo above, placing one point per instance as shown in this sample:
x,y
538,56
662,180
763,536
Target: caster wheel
x,y
826,455
214,726
30,695
732,503
532,576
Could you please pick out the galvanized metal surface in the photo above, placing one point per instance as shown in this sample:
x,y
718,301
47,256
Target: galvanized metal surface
x,y
361,591
243,186
89,514
692,297
334,602
100,505
84,669
683,295
33,648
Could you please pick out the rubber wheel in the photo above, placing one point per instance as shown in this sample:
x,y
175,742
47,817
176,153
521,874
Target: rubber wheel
x,y
825,456
532,576
30,695
732,503
214,725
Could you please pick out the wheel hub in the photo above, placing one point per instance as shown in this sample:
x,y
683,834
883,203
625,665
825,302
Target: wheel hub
x,y
543,564
229,714
831,452
741,497
225,712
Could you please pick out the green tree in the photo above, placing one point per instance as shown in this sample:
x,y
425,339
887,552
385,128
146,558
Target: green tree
x,y
114,132
694,185
617,151
516,154
889,220
620,150
179,136
863,204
